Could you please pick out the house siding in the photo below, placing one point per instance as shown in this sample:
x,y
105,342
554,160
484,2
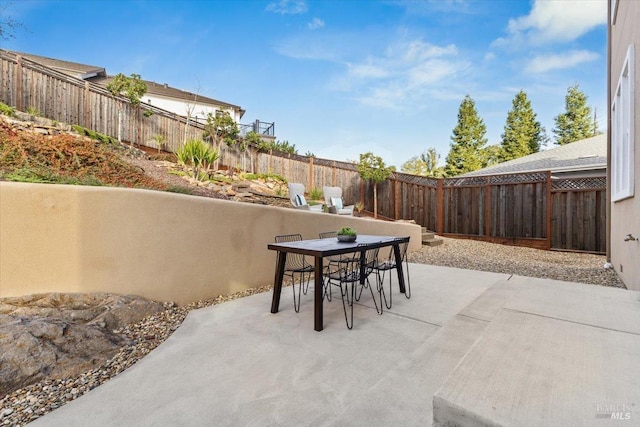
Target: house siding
x,y
625,214
180,107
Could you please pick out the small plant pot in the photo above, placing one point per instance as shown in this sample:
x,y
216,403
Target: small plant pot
x,y
345,238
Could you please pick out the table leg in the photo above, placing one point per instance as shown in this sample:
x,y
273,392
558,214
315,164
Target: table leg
x,y
399,268
317,295
277,281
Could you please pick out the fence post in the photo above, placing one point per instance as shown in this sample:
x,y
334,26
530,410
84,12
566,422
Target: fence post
x,y
396,196
19,83
333,174
311,183
549,210
487,207
362,191
87,105
440,206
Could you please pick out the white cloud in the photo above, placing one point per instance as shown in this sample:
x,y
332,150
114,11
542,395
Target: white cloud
x,y
284,7
544,63
555,21
366,71
404,74
315,24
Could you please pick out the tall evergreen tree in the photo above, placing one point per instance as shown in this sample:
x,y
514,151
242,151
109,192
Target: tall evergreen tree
x,y
467,142
576,122
523,134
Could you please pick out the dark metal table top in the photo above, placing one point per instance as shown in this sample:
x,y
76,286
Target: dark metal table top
x,y
331,246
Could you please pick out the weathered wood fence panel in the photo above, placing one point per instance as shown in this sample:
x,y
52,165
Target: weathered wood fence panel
x,y
579,211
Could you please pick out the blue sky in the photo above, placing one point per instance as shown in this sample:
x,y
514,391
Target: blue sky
x,y
341,77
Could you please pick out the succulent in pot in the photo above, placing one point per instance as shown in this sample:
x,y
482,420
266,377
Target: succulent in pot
x,y
347,234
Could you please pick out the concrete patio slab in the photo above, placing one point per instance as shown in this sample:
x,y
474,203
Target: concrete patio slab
x,y
494,349
238,364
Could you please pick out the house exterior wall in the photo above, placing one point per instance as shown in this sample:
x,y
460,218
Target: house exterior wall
x,y
625,214
162,246
180,107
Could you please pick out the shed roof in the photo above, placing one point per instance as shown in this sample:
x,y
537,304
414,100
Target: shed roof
x,y
586,154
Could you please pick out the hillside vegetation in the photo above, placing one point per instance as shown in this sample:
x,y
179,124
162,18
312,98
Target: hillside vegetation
x,y
65,159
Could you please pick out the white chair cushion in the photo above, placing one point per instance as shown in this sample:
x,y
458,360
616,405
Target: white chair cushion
x,y
336,202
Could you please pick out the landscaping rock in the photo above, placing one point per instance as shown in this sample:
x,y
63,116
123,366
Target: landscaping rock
x,y
60,335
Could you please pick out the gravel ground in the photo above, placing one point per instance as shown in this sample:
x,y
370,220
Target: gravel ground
x,y
477,255
28,403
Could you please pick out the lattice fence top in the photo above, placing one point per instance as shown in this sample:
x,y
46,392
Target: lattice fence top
x,y
477,181
520,178
595,183
416,179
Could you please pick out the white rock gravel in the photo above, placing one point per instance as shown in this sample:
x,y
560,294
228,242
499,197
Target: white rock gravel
x,y
27,404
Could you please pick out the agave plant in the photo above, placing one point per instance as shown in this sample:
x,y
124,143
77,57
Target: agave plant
x,y
197,154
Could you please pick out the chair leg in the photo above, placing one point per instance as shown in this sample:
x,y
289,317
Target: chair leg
x,y
383,294
407,290
296,301
378,310
345,293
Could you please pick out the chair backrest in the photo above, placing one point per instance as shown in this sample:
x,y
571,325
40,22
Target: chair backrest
x,y
294,261
403,252
295,190
330,192
328,234
371,258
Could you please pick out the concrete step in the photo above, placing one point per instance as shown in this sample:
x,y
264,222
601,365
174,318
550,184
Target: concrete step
x,y
429,238
431,241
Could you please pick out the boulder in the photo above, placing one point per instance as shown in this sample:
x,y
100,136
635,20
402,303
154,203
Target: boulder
x,y
62,335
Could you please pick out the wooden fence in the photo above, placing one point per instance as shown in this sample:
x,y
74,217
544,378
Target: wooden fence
x,y
524,209
25,84
527,209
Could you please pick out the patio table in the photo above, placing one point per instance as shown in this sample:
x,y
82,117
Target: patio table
x,y
320,248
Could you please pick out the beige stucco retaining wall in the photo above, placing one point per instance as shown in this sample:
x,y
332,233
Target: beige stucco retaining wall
x,y
163,246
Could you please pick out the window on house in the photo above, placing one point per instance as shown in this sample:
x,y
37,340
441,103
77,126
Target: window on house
x,y
622,132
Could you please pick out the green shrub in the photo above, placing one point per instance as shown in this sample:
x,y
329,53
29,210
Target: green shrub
x,y
197,154
37,175
265,176
6,110
95,135
315,194
33,112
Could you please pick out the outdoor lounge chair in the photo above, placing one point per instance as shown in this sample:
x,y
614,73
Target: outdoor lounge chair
x,y
296,195
333,199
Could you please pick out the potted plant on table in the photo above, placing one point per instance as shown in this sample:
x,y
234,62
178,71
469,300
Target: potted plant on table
x,y
347,234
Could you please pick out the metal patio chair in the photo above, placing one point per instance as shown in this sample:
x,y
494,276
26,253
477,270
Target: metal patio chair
x,y
382,267
296,264
348,276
